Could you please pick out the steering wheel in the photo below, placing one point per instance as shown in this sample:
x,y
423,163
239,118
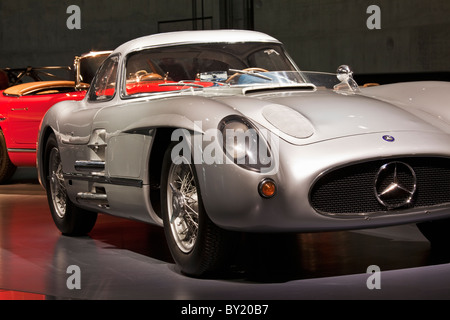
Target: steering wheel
x,y
143,75
255,69
247,70
140,73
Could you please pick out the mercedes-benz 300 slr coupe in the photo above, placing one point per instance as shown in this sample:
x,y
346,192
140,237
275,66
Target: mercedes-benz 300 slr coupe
x,y
23,105
216,133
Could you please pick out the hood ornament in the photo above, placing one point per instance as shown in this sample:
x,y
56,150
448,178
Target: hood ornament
x,y
347,84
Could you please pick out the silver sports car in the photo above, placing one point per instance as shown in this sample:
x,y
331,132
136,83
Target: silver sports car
x,y
215,133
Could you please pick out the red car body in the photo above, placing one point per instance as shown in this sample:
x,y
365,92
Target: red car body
x,y
23,106
22,111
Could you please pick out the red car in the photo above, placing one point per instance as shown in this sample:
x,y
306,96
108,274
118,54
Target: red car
x,y
22,107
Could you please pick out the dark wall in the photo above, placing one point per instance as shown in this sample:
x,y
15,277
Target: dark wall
x,y
320,35
414,35
34,32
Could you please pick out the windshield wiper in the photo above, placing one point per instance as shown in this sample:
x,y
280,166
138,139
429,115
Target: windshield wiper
x,y
251,73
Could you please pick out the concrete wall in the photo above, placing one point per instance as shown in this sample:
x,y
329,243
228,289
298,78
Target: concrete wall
x,y
319,34
34,32
414,34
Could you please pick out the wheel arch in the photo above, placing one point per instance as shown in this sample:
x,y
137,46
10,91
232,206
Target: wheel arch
x,y
41,157
162,140
6,137
7,167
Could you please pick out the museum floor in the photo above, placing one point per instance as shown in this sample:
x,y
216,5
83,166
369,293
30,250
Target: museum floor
x,y
124,259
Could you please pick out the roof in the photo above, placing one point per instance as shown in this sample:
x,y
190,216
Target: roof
x,y
198,36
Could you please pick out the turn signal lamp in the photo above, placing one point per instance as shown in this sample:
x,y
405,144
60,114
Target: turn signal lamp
x,y
267,188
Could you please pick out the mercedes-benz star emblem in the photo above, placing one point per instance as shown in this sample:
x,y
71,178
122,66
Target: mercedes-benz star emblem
x,y
388,138
395,185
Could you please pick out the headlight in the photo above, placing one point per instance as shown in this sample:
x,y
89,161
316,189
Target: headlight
x,y
243,145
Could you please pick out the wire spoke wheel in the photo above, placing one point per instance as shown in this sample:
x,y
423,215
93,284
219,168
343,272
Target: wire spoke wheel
x,y
183,207
57,187
70,219
198,246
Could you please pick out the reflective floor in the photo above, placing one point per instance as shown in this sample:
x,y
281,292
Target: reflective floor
x,y
124,259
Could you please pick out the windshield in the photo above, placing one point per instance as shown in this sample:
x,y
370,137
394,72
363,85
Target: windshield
x,y
202,65
322,79
217,67
88,65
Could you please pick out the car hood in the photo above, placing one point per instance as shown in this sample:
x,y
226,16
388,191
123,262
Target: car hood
x,y
304,118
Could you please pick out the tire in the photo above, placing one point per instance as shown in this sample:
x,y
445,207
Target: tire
x,y
437,232
7,168
69,219
198,246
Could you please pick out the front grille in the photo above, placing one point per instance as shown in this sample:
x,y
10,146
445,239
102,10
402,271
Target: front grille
x,y
351,190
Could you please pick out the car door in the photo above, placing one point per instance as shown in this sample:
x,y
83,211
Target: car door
x,y
25,113
76,128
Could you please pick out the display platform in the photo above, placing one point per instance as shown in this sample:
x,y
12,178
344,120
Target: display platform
x,y
124,259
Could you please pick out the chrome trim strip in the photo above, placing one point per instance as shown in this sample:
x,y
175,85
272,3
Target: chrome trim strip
x,y
105,180
89,196
81,165
22,150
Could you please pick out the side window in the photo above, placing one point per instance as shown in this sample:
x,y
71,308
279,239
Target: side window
x,y
103,87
